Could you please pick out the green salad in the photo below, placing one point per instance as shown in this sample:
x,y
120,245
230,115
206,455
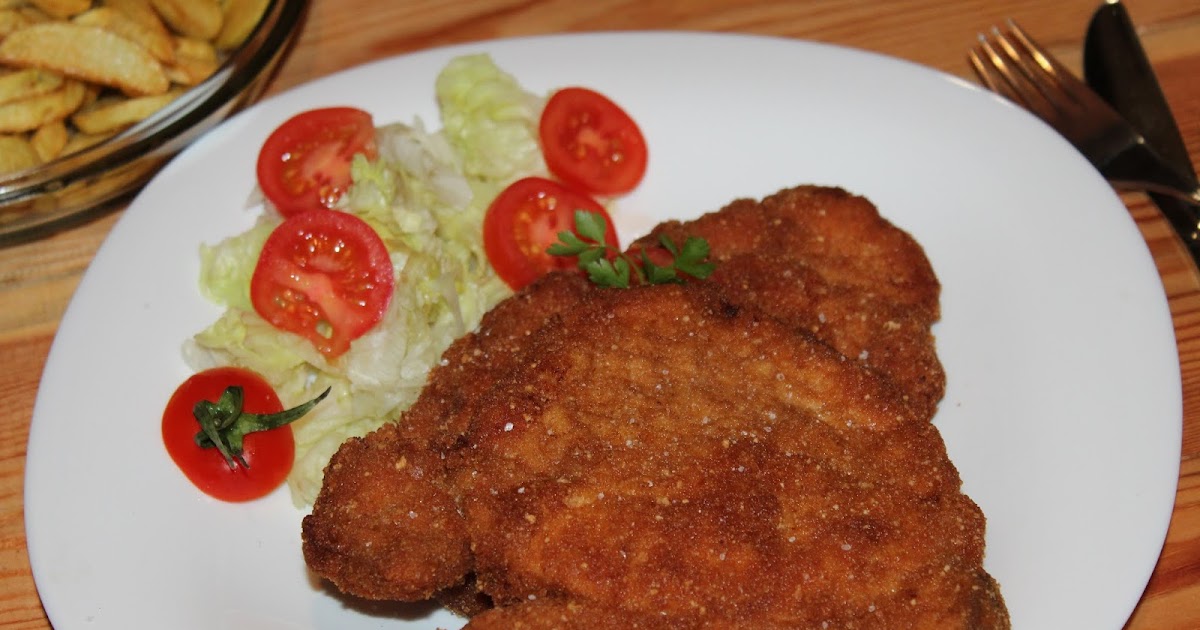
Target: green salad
x,y
426,196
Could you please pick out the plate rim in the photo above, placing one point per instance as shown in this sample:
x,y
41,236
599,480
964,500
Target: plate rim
x,y
445,51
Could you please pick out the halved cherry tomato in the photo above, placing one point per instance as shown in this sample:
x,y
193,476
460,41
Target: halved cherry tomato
x,y
326,276
305,163
269,454
591,143
525,219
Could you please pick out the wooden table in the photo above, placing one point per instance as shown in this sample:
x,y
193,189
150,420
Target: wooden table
x,y
37,278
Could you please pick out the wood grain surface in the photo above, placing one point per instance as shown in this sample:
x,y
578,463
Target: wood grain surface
x,y
37,278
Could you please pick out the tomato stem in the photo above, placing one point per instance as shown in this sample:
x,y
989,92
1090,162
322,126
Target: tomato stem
x,y
224,424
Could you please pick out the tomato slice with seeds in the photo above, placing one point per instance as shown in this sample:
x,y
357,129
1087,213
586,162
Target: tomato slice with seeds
x,y
325,276
268,454
590,143
305,163
525,219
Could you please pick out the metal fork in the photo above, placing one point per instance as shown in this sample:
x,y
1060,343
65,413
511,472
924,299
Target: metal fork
x,y
1011,64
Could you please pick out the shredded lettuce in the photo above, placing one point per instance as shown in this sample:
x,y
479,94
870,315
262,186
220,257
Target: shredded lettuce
x,y
225,269
425,195
489,119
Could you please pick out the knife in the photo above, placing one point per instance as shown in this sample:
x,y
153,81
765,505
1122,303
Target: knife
x,y
1115,66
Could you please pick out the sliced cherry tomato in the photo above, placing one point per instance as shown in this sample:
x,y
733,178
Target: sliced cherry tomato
x,y
305,163
525,219
325,276
268,454
591,143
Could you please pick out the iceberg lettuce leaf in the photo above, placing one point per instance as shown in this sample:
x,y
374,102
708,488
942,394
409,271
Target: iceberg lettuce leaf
x,y
425,195
489,118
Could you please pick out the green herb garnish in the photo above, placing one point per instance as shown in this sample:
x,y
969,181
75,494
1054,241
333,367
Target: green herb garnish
x,y
607,267
224,425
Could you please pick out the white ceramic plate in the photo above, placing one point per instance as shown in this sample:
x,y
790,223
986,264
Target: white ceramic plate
x,y
1063,408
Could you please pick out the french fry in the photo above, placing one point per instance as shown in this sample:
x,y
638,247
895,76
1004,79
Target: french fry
x,y
23,84
75,72
156,41
193,18
114,114
87,53
62,9
90,94
81,141
49,140
139,11
240,18
33,112
12,20
16,154
33,15
195,61
190,71
195,48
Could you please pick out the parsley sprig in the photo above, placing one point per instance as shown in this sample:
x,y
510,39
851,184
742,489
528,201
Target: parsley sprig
x,y
607,267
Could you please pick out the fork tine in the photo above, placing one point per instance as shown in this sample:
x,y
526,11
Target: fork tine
x,y
1013,65
1065,92
1042,77
1037,71
988,74
1002,74
1051,65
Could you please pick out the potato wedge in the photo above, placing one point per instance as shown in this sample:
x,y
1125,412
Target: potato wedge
x,y
87,53
23,84
62,9
240,18
33,15
12,20
114,114
33,112
75,72
139,11
195,48
189,71
90,94
194,18
81,141
157,42
16,154
49,140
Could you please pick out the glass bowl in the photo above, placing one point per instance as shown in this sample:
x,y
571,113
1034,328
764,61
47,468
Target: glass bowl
x,y
37,201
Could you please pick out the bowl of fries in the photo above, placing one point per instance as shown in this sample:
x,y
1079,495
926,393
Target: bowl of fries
x,y
97,95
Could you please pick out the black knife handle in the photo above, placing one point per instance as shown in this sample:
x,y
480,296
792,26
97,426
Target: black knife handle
x,y
1184,218
1116,67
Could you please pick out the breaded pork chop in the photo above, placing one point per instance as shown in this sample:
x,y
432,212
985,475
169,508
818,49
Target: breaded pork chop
x,y
824,260
375,482
663,452
572,615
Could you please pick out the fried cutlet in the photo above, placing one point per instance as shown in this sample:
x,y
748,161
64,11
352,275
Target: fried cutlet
x,y
521,467
397,474
572,615
661,451
824,260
